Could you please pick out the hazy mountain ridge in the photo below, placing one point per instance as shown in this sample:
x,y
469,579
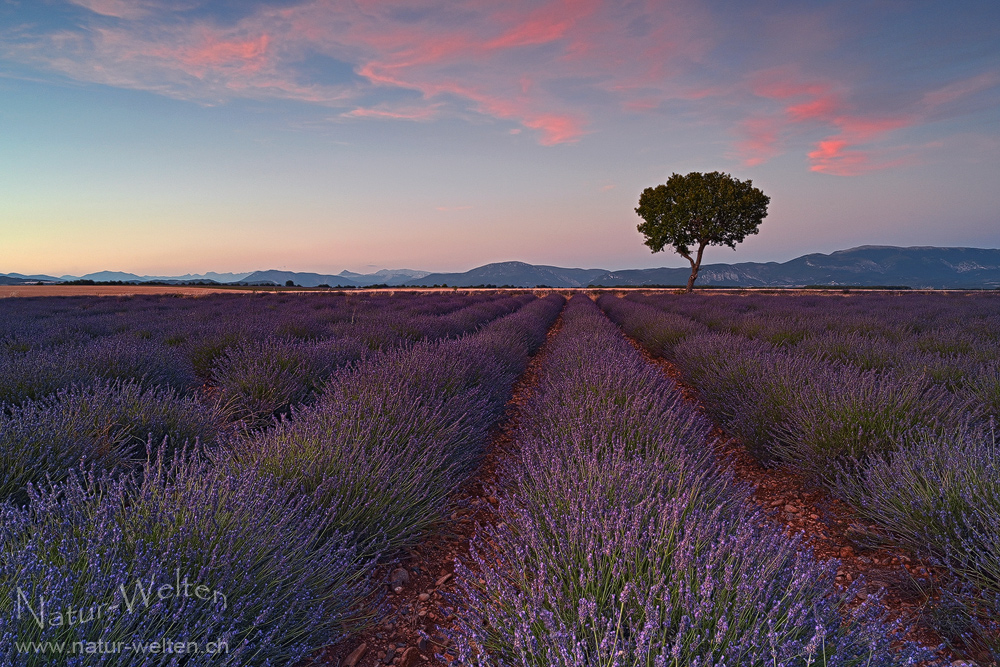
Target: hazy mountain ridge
x,y
514,274
865,266
384,276
393,277
918,267
276,277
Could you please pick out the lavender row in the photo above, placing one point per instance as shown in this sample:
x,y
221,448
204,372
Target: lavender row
x,y
908,455
258,379
199,558
266,546
950,341
43,323
948,323
49,344
795,406
105,422
102,426
620,542
938,494
393,436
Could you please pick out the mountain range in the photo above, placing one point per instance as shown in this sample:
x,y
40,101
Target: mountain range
x,y
917,267
392,277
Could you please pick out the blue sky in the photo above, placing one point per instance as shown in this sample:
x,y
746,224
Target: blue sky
x,y
189,136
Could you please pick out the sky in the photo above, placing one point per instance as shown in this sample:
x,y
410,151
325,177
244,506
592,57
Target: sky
x,y
166,137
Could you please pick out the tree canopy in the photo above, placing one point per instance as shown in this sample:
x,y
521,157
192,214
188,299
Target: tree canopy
x,y
699,210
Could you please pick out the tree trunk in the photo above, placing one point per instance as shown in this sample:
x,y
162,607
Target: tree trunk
x,y
695,266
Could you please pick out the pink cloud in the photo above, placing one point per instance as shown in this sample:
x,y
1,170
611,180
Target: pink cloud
x,y
831,155
502,63
835,156
558,21
840,155
642,104
468,58
784,83
555,129
856,140
760,142
535,31
807,106
820,108
247,53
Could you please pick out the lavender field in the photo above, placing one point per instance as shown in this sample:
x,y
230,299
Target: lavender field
x,y
245,479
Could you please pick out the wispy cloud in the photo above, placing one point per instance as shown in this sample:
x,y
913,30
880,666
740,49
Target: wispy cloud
x,y
960,89
506,63
397,113
123,9
854,141
493,60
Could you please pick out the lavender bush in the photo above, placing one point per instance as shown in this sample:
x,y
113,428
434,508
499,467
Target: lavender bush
x,y
938,495
803,409
984,389
887,410
259,379
97,552
106,423
747,386
435,402
47,344
37,373
271,539
844,413
608,553
658,331
854,349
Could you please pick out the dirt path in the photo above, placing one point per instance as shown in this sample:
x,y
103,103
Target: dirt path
x,y
419,609
830,527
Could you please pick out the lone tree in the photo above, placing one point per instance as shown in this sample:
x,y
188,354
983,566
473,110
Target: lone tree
x,y
698,210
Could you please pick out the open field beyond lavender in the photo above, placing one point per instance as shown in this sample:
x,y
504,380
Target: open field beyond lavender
x,y
495,479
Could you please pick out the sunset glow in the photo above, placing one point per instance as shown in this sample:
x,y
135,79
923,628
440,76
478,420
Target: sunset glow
x,y
155,137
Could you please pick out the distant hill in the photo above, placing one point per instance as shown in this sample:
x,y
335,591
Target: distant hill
x,y
864,266
392,277
384,277
108,276
21,279
211,275
120,276
514,274
918,267
275,277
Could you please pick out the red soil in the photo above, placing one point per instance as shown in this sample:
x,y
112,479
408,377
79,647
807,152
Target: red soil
x,y
831,528
430,565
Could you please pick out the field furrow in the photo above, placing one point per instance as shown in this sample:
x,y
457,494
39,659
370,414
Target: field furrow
x,y
867,423
266,544
620,540
484,479
416,621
